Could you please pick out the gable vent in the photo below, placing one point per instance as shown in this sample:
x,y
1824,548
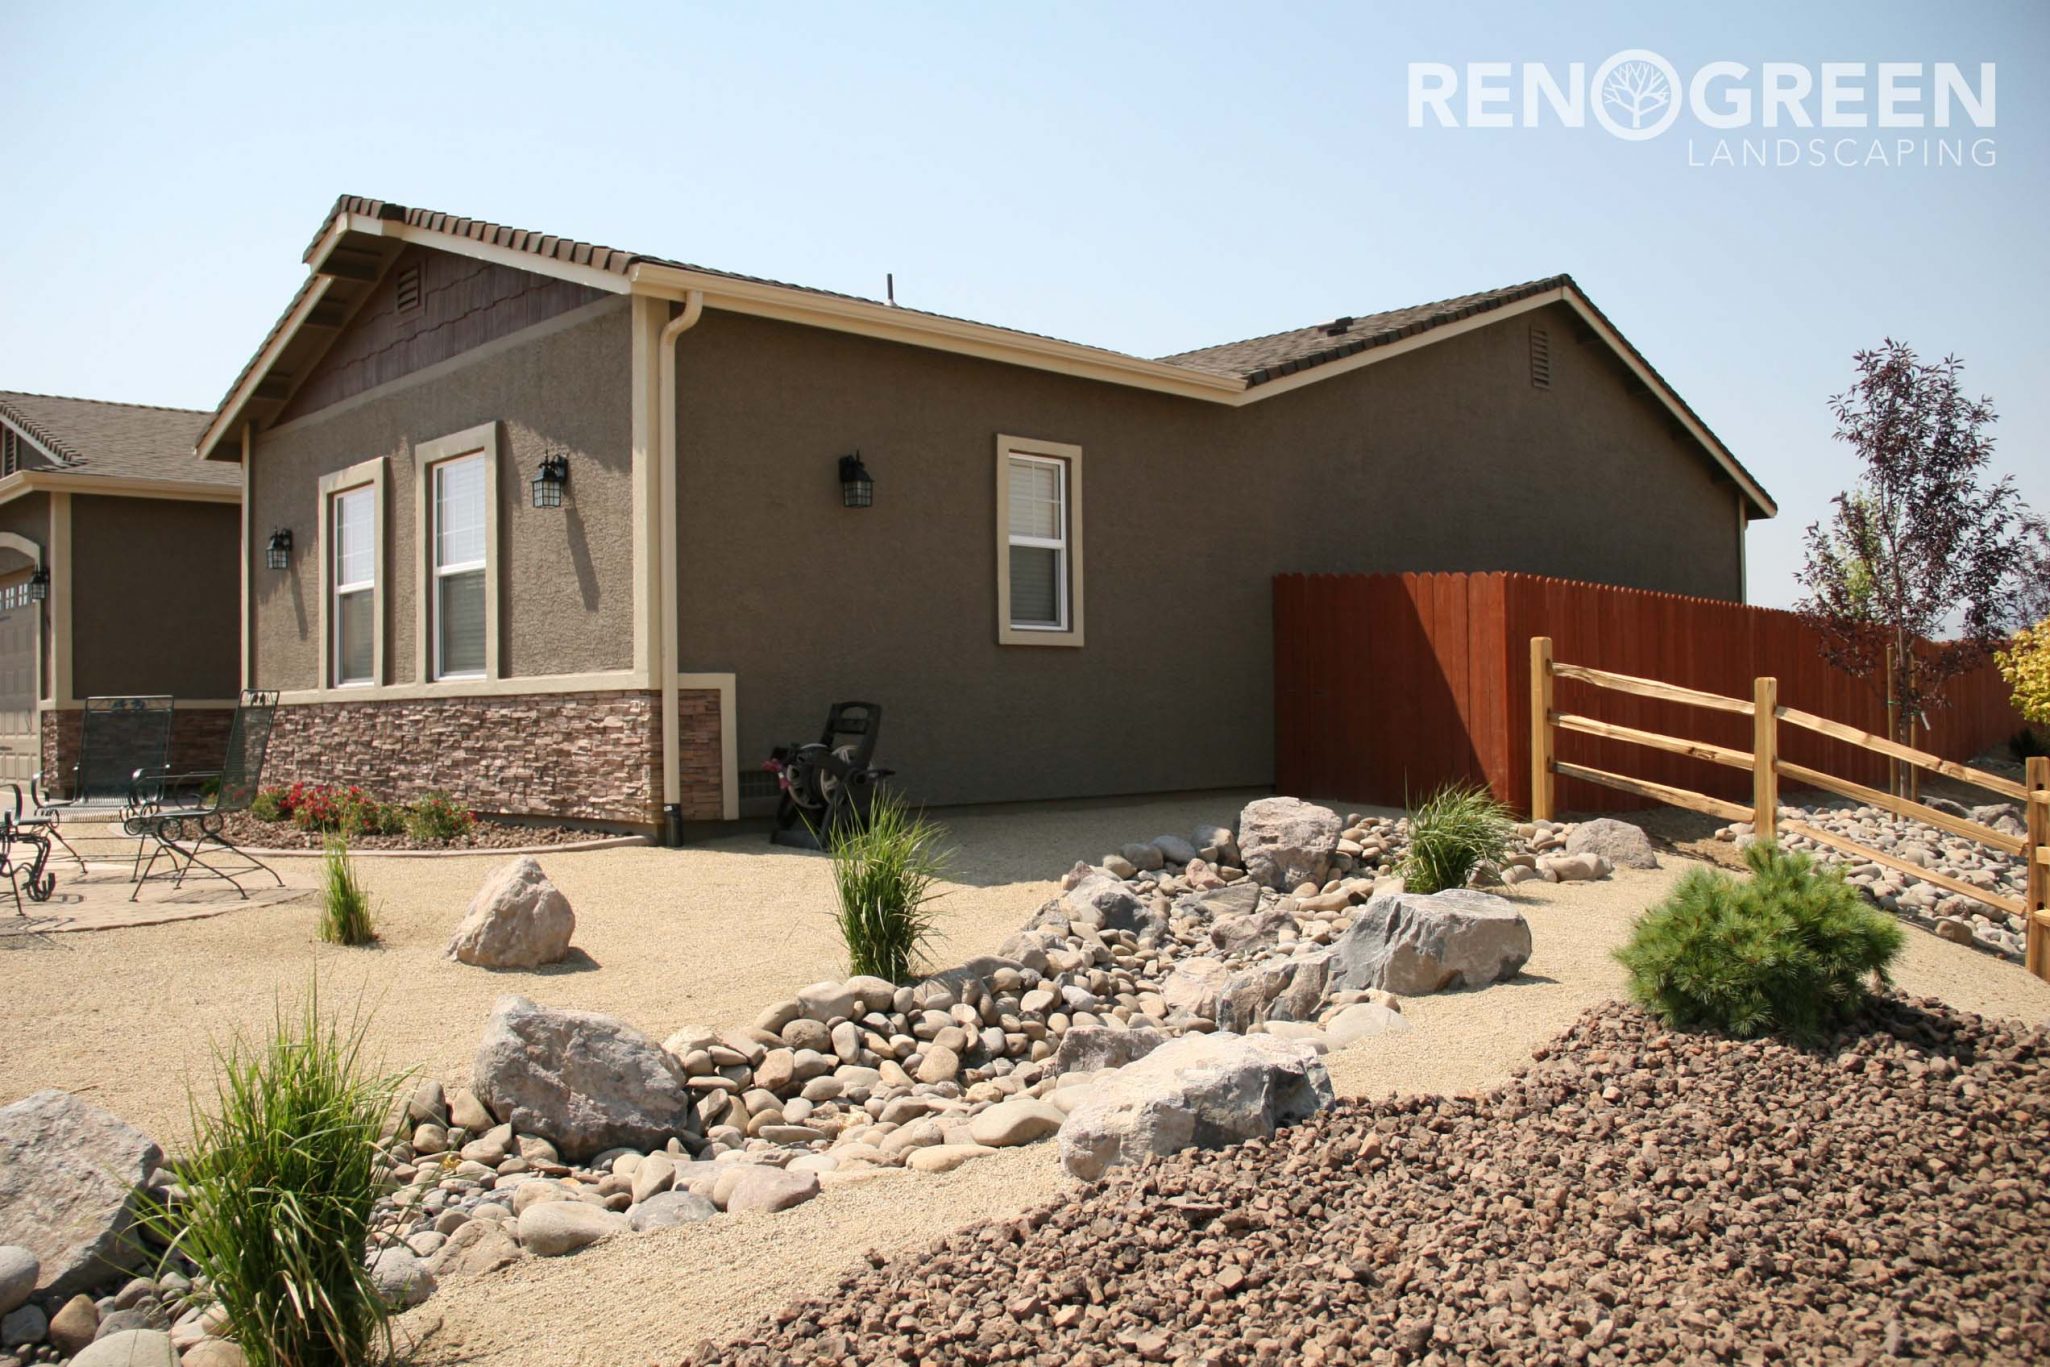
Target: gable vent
x,y
1540,358
408,286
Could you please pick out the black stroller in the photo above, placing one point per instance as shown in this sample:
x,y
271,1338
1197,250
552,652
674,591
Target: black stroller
x,y
829,784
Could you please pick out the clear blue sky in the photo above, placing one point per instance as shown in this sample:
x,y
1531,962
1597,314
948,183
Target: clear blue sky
x,y
1143,177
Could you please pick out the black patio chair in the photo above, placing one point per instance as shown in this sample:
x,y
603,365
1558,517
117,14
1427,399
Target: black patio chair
x,y
16,832
184,814
121,742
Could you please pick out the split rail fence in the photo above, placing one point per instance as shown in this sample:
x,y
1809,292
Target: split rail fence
x,y
1763,761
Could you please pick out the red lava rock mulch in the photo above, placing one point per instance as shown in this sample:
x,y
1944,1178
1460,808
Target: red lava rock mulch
x,y
244,829
1634,1196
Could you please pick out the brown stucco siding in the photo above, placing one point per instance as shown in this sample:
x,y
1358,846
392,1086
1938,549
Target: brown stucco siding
x,y
1445,458
584,756
154,597
564,575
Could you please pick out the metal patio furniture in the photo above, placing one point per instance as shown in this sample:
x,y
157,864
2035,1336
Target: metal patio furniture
x,y
121,742
16,832
184,814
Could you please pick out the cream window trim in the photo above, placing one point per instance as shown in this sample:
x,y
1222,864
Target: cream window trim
x,y
481,440
370,473
1069,458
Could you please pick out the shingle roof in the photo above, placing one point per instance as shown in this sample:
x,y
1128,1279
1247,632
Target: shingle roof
x,y
117,440
1260,359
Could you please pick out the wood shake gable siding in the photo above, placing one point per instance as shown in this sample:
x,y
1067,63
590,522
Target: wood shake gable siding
x,y
462,304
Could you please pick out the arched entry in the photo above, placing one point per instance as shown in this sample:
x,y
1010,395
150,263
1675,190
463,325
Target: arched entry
x,y
21,637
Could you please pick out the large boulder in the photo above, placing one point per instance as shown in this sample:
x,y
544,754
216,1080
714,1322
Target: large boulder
x,y
1100,902
1412,944
1287,842
1196,985
71,1176
1092,1048
517,920
1199,1091
582,1081
1283,989
1625,846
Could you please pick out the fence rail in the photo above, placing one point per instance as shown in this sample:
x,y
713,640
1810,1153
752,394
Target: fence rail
x,y
1767,769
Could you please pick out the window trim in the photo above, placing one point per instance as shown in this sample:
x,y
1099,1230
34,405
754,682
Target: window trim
x,y
481,440
371,474
1070,456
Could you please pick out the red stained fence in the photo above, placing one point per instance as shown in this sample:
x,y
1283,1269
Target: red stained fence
x,y
1388,685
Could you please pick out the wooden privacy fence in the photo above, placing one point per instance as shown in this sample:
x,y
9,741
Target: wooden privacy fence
x,y
1387,686
1766,714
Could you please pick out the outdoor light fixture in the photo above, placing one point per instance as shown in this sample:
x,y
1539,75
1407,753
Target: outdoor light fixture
x,y
549,481
857,486
39,585
278,554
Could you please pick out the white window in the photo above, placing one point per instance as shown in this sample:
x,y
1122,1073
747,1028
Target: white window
x,y
354,524
1039,543
459,568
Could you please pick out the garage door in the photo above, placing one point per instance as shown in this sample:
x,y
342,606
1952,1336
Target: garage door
x,y
20,740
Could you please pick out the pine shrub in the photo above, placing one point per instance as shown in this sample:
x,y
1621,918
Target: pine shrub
x,y
1791,950
1450,834
884,874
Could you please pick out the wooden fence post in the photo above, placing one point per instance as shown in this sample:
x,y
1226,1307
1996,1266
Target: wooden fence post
x,y
1543,791
1765,755
2036,935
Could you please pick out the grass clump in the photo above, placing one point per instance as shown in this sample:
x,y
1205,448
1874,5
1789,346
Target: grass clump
x,y
435,819
344,905
278,1194
884,873
1791,950
1450,834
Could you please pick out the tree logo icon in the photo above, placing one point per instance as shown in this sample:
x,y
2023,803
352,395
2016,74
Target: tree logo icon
x,y
1636,94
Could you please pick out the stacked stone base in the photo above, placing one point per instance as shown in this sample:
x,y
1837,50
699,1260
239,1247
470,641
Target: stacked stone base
x,y
199,741
593,757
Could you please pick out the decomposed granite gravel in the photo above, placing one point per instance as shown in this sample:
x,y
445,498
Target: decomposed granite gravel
x,y
1635,1195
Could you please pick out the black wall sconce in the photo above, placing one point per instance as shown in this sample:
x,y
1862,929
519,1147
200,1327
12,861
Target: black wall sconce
x,y
39,585
550,480
277,554
857,486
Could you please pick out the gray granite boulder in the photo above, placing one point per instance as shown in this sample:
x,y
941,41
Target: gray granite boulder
x,y
1625,846
71,1179
583,1081
1199,1091
1092,1048
1414,944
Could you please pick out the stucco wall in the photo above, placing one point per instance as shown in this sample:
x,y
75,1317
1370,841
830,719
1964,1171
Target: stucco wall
x,y
1446,458
154,596
564,575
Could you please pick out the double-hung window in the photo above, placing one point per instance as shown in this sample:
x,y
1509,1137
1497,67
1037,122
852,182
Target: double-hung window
x,y
353,514
459,568
1039,522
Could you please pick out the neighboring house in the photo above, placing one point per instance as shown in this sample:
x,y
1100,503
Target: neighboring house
x,y
1061,587
117,576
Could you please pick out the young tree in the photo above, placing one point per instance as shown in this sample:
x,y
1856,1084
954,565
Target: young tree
x,y
1923,546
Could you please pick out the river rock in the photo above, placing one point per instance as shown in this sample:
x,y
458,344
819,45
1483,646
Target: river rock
x,y
554,1228
70,1180
131,1348
1414,944
1287,842
401,1278
666,1209
518,919
583,1081
18,1269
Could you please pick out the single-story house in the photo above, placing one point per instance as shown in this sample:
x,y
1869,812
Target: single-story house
x,y
578,532
117,577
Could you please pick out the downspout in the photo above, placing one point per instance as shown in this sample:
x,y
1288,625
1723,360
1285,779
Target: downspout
x,y
669,600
